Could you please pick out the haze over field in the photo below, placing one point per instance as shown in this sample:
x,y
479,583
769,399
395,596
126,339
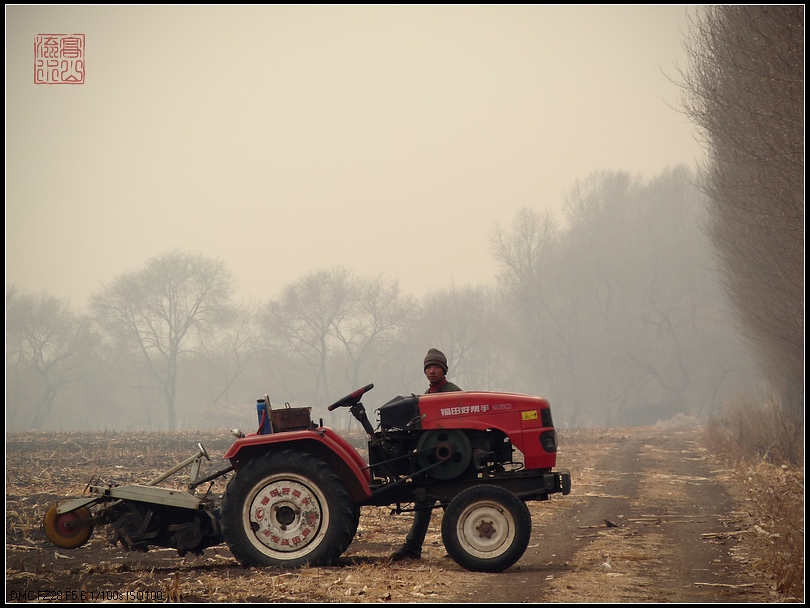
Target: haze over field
x,y
285,139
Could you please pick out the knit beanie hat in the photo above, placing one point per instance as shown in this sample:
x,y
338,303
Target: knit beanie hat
x,y
436,357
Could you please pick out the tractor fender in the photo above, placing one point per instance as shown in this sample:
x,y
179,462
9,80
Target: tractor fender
x,y
323,442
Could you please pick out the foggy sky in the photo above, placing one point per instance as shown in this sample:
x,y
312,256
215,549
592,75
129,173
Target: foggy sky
x,y
287,139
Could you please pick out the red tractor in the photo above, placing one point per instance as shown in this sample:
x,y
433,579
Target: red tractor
x,y
298,487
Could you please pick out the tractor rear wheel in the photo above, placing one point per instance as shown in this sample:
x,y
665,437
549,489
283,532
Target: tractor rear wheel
x,y
287,509
68,530
356,521
486,528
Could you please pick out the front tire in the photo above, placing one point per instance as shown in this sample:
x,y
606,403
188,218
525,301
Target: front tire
x,y
287,509
486,528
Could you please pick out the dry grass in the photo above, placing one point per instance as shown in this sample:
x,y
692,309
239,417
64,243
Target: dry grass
x,y
757,429
766,455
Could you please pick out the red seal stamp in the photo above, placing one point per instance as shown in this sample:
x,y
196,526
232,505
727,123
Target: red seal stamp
x,y
59,59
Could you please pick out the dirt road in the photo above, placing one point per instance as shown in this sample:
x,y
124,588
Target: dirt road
x,y
650,519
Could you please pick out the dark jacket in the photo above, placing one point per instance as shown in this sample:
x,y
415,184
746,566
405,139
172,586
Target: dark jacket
x,y
447,387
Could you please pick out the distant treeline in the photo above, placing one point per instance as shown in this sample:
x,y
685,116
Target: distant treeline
x,y
615,313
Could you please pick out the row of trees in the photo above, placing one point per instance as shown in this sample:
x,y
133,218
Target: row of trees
x,y
744,89
614,314
620,312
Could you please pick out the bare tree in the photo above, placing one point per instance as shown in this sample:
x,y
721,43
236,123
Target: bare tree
x,y
233,348
375,313
467,325
744,88
156,313
538,327
44,341
522,248
300,323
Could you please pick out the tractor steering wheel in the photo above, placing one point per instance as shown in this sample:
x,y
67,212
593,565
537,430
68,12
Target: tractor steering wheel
x,y
351,399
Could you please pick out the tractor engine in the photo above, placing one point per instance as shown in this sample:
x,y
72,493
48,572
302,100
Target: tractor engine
x,y
442,454
461,435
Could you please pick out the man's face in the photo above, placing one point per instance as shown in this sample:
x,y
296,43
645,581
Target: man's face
x,y
434,373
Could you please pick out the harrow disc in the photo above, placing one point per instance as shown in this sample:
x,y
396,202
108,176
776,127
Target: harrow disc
x,y
68,530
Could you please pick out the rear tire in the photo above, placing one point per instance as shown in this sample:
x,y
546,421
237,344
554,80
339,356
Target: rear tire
x,y
287,509
486,528
356,522
62,529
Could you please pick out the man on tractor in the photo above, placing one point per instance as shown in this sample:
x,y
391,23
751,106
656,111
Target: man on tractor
x,y
436,372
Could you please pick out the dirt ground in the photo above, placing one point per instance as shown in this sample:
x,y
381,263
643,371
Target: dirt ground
x,y
650,518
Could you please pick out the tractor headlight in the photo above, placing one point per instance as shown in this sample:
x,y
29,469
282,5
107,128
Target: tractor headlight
x,y
548,440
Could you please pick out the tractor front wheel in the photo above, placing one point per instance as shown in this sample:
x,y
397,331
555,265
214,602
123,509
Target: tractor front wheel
x,y
486,528
68,530
287,509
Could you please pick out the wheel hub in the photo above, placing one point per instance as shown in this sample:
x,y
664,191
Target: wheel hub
x,y
285,515
485,529
68,525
